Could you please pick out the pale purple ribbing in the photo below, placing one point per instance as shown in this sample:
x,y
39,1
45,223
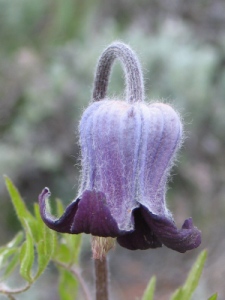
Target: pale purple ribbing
x,y
161,136
115,157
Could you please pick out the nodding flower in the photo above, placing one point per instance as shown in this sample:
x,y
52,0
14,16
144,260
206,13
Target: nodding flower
x,y
128,148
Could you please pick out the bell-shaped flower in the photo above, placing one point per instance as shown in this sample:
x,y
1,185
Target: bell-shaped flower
x,y
128,148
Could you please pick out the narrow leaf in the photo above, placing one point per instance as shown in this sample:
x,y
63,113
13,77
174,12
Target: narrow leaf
x,y
74,243
177,295
68,249
17,201
68,285
213,297
12,265
185,292
20,207
5,255
46,244
195,274
45,250
63,254
9,255
27,257
150,290
43,259
50,241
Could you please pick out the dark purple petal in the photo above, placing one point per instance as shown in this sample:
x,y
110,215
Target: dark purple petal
x,y
62,224
164,228
142,238
93,216
88,214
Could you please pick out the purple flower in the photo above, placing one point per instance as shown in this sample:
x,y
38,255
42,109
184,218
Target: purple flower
x,y
127,149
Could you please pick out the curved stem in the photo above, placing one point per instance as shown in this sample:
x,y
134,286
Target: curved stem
x,y
76,272
7,291
101,279
132,69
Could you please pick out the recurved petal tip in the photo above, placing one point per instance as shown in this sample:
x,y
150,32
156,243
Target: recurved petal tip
x,y
63,224
181,240
192,232
188,224
44,194
87,214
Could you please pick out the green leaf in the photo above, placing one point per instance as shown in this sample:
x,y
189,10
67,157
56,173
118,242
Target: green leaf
x,y
74,242
213,297
39,223
9,255
27,257
45,255
63,254
195,274
177,295
44,233
17,201
6,254
20,208
46,244
68,285
150,290
12,265
50,239
43,259
185,292
68,249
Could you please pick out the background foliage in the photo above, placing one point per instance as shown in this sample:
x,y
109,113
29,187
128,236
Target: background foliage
x,y
48,53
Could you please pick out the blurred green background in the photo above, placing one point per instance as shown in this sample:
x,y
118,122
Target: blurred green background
x,y
48,53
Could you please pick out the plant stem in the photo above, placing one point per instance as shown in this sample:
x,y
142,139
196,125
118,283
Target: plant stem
x,y
101,279
132,69
6,290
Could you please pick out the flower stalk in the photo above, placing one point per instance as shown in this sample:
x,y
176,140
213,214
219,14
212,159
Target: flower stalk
x,y
101,279
101,246
132,70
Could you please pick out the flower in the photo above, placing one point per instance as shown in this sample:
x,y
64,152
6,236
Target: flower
x,y
128,149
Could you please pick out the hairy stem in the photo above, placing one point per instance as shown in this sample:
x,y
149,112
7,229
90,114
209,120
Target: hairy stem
x,y
101,279
132,70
